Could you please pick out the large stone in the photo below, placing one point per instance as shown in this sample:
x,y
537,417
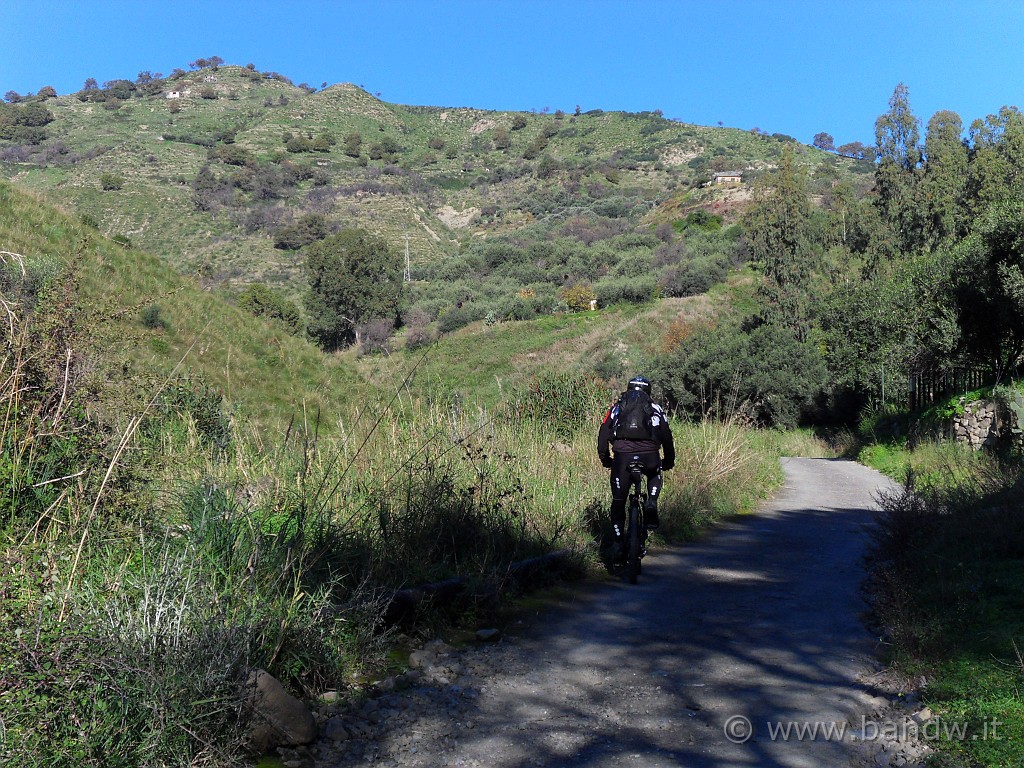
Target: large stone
x,y
278,718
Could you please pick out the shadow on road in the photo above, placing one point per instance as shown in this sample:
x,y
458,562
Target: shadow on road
x,y
758,625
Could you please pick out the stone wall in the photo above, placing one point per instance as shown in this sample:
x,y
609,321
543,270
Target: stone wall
x,y
981,425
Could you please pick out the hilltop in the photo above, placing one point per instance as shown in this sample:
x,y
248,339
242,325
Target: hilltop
x,y
207,169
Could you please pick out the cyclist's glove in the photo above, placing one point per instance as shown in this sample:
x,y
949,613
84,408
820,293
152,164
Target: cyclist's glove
x,y
668,464
606,461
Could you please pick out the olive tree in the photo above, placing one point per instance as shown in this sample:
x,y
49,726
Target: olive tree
x,y
354,277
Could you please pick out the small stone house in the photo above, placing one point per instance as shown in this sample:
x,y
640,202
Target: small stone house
x,y
728,177
176,92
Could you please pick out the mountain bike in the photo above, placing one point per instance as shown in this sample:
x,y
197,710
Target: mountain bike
x,y
636,532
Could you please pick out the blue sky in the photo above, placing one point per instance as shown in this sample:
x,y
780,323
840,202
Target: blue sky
x,y
787,66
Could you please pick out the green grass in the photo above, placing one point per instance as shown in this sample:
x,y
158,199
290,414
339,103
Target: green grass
x,y
266,373
947,580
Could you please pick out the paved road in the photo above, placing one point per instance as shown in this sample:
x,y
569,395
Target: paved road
x,y
761,621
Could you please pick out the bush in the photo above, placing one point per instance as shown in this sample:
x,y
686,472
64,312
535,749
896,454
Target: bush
x,y
578,297
419,336
634,265
151,316
111,182
305,231
559,402
691,278
630,290
457,317
375,334
263,301
765,373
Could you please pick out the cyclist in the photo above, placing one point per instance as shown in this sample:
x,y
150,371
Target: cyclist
x,y
636,429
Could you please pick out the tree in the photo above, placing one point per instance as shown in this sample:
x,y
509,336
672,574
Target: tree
x,y
353,277
856,150
387,149
12,97
988,286
824,141
899,157
779,233
997,159
47,92
501,137
307,230
944,181
90,84
766,372
353,143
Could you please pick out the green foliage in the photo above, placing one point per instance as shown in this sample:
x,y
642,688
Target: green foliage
x,y
353,143
765,373
309,143
947,570
699,219
353,277
151,317
24,123
578,297
111,182
557,402
387,149
263,301
1011,399
307,230
779,232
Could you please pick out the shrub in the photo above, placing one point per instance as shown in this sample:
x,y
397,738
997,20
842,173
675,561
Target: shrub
x,y
375,334
457,317
634,265
692,278
631,290
306,230
263,301
151,316
578,297
557,401
419,336
110,182
765,372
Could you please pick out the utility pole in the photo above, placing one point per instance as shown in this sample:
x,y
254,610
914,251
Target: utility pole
x,y
407,276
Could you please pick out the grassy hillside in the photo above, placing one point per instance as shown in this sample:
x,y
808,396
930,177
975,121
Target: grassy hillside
x,y
449,176
140,318
144,318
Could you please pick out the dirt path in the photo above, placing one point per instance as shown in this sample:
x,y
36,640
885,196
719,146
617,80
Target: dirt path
x,y
759,621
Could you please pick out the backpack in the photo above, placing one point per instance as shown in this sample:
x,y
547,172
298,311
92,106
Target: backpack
x,y
633,420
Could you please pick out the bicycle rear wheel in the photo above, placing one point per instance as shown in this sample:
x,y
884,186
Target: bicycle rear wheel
x,y
634,544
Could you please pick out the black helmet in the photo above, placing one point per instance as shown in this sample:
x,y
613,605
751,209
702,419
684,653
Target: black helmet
x,y
641,383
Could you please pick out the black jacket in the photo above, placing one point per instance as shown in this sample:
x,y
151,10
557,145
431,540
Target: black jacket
x,y
661,438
